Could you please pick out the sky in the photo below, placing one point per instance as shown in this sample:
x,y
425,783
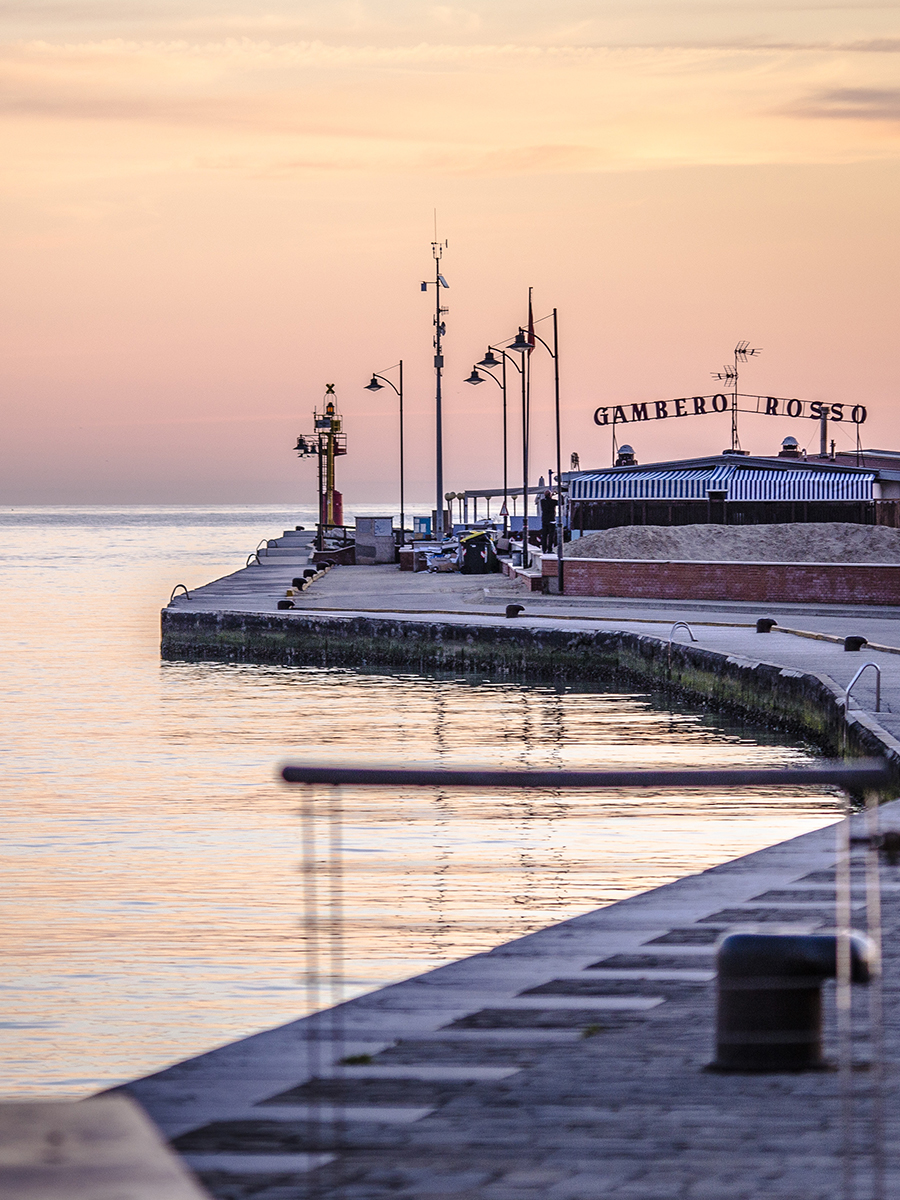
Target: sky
x,y
212,209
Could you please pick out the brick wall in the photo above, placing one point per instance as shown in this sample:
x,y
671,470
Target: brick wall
x,y
826,583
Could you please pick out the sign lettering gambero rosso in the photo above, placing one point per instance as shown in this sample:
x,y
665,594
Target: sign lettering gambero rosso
x,y
699,406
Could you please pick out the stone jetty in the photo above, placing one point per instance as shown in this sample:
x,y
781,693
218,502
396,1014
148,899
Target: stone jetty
x,y
567,1065
377,616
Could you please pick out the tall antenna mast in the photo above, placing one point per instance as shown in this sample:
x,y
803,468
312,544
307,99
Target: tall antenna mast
x,y
729,375
437,250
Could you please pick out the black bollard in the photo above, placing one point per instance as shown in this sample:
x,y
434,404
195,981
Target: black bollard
x,y
310,572
513,610
889,844
855,643
769,999
297,582
764,625
285,604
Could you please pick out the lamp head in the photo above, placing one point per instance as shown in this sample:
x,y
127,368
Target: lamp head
x,y
521,343
474,377
374,386
489,360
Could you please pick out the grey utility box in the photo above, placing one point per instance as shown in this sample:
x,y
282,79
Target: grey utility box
x,y
374,540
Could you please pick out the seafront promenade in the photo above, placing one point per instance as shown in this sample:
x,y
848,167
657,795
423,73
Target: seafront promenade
x,y
808,639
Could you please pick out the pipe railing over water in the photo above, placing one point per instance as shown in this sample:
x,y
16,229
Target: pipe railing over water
x,y
875,667
864,775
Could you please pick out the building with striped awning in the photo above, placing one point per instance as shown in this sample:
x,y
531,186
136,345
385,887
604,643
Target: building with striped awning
x,y
737,489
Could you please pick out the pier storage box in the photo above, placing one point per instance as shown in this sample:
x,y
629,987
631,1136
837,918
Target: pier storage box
x,y
374,540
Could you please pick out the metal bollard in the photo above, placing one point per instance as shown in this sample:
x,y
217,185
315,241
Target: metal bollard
x,y
765,624
513,610
769,999
855,643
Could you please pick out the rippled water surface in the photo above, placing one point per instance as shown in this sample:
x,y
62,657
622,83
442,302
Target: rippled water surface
x,y
151,894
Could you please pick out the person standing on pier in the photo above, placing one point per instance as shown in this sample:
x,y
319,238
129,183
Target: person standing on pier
x,y
548,522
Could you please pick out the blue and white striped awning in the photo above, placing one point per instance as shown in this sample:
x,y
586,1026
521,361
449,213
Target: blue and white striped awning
x,y
739,483
799,485
686,484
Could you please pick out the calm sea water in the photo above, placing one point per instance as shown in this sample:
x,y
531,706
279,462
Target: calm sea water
x,y
151,887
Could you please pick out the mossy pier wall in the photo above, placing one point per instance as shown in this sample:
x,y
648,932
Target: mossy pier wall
x,y
804,702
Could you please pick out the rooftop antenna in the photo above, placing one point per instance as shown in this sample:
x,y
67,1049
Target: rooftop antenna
x,y
440,328
729,375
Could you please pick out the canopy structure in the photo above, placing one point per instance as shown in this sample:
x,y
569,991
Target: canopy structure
x,y
800,485
739,482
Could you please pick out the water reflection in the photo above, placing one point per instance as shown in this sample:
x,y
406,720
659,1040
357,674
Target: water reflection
x,y
151,889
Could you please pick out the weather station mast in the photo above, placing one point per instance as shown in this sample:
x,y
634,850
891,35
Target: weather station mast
x,y
327,443
437,250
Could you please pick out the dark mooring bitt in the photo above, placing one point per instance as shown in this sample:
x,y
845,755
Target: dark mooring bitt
x,y
769,999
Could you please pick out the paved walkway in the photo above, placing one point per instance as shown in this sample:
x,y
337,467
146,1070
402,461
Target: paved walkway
x,y
728,628
567,1065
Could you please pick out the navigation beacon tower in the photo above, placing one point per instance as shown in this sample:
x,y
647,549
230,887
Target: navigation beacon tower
x,y
328,443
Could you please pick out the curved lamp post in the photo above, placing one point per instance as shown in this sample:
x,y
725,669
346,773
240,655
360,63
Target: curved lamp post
x,y
554,354
376,386
523,346
486,364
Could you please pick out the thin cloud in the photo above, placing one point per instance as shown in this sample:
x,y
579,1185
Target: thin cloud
x,y
263,108
850,104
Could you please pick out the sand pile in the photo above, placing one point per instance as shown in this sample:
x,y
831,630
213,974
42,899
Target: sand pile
x,y
823,541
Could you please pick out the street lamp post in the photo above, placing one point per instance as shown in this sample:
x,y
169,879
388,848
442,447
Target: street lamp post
x,y
554,354
489,361
376,386
486,364
523,346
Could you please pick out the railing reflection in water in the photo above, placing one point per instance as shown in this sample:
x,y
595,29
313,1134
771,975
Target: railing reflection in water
x,y
323,910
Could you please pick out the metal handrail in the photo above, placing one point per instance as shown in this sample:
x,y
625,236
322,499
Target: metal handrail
x,y
263,544
254,557
175,589
875,667
678,625
857,776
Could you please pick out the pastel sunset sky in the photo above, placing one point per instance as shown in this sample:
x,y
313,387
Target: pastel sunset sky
x,y
214,207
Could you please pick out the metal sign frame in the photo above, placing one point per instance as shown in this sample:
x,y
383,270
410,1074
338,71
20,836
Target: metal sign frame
x,y
696,406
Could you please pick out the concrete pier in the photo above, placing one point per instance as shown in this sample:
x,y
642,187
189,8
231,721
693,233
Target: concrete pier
x,y
378,616
568,1065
